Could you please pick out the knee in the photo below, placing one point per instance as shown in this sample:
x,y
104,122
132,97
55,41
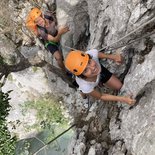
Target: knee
x,y
58,56
59,60
119,86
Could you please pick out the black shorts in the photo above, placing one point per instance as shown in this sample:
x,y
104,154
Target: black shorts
x,y
53,48
105,75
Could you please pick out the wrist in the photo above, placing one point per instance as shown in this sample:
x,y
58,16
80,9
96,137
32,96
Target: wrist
x,y
123,99
60,33
110,56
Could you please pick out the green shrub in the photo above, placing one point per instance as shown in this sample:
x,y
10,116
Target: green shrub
x,y
1,60
7,143
48,114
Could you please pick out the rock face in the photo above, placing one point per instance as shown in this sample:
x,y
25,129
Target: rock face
x,y
130,128
107,128
137,122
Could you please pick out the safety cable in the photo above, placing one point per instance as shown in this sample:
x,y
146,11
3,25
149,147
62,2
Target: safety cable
x,y
116,42
119,46
70,48
132,32
35,153
148,22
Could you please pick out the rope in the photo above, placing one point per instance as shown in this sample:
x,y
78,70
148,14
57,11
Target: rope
x,y
35,153
144,36
132,32
69,47
116,42
148,22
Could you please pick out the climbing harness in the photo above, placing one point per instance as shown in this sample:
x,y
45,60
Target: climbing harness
x,y
50,42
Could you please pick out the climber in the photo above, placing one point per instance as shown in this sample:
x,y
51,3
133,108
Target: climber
x,y
44,26
90,73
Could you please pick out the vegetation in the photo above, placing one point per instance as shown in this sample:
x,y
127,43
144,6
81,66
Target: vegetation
x,y
34,68
10,78
7,143
49,114
50,123
1,60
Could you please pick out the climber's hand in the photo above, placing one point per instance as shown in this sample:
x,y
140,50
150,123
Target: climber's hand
x,y
63,29
118,58
129,100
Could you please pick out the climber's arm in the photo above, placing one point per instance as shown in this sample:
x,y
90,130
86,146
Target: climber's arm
x,y
108,97
115,57
57,38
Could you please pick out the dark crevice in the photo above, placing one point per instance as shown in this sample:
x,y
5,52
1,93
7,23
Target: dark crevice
x,y
141,17
138,98
147,89
81,21
118,140
148,47
52,7
83,41
82,15
104,34
118,120
131,52
148,28
143,1
127,152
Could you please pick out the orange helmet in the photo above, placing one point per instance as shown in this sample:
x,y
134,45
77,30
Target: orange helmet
x,y
30,21
76,62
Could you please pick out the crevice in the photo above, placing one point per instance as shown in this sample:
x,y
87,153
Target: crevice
x,y
131,52
148,47
104,34
52,7
127,22
82,16
118,121
83,40
143,3
147,89
138,98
